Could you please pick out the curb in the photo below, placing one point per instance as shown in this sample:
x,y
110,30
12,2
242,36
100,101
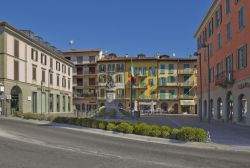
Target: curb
x,y
197,145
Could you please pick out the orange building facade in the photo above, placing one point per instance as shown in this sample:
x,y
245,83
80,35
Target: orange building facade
x,y
223,40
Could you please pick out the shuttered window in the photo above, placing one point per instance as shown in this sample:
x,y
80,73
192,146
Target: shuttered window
x,y
16,70
242,57
16,48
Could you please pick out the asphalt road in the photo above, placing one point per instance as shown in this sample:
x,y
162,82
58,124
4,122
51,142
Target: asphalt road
x,y
25,145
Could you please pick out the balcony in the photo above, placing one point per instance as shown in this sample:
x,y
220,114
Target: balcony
x,y
186,97
142,75
141,86
151,97
224,79
85,95
168,84
187,83
187,71
167,97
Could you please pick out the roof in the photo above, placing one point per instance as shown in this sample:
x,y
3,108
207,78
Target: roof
x,y
146,59
26,37
82,51
212,6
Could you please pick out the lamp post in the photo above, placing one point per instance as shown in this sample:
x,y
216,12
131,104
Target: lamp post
x,y
200,98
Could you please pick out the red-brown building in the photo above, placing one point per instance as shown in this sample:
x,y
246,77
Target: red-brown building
x,y
223,40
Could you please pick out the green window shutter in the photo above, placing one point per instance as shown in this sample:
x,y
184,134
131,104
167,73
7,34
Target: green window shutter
x,y
245,55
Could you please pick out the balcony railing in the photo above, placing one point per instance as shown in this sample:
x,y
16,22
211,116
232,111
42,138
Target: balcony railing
x,y
167,97
186,96
148,97
224,79
82,95
186,71
168,84
187,83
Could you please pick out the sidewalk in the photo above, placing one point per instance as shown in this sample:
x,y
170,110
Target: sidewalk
x,y
221,132
211,146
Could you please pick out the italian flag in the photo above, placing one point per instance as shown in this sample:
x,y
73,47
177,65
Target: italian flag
x,y
132,74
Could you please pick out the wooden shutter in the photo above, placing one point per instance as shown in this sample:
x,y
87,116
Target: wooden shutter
x,y
245,55
16,70
16,48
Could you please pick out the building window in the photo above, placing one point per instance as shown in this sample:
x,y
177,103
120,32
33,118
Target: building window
x,y
219,41
16,70
57,80
229,34
218,16
58,103
51,78
210,49
111,67
102,92
91,59
119,68
43,59
171,93
152,71
186,91
171,68
219,70
205,54
142,71
34,102
242,57
69,81
43,76
241,18
51,63
57,66
162,81
34,54
210,27
120,93
171,79
228,6
16,48
118,78
204,36
34,73
102,68
69,71
69,104
50,102
162,68
64,103
229,63
102,79
79,59
64,82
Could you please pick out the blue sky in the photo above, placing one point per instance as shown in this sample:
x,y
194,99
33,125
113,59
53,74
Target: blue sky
x,y
119,26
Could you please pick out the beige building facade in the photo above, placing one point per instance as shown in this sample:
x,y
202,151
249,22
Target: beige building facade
x,y
34,76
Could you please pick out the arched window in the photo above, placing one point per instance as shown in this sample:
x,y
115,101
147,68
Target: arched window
x,y
242,108
219,108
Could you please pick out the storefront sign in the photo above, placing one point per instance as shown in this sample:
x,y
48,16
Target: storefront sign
x,y
244,85
187,102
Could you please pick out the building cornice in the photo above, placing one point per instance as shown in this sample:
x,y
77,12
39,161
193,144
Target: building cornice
x,y
207,16
10,29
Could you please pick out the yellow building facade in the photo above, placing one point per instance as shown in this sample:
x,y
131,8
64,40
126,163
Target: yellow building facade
x,y
162,84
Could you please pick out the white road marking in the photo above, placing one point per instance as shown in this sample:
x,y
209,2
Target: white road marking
x,y
78,150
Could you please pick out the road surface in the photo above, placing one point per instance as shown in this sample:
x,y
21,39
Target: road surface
x,y
26,145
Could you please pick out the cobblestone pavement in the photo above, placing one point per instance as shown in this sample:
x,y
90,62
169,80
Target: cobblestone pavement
x,y
220,132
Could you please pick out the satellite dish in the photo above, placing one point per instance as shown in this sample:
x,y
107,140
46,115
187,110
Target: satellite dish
x,y
71,42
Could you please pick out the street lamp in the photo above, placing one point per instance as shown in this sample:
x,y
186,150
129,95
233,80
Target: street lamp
x,y
200,99
208,70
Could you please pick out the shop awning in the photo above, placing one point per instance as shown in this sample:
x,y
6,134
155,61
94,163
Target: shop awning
x,y
187,102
